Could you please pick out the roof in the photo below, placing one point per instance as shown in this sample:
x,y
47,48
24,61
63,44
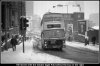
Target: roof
x,y
95,27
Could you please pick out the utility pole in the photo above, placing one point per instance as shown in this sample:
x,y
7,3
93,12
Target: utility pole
x,y
67,8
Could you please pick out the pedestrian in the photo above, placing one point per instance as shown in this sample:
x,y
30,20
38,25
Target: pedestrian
x,y
14,43
69,38
93,40
3,39
17,38
86,40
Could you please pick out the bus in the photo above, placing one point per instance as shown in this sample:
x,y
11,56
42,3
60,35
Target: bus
x,y
53,31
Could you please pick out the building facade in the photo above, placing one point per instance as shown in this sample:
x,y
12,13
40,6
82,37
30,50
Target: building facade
x,y
11,11
71,24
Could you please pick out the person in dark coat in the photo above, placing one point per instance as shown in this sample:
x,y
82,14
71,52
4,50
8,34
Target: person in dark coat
x,y
3,39
93,40
14,43
86,40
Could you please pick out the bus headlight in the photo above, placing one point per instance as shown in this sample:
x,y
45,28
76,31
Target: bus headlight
x,y
63,41
45,45
45,42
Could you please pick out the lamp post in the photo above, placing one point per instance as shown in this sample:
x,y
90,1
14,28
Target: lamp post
x,y
59,5
78,6
67,7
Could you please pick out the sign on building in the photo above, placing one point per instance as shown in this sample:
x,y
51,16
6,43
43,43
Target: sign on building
x,y
82,27
70,29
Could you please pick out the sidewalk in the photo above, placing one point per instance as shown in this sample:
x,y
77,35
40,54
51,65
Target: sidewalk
x,y
17,56
8,45
82,45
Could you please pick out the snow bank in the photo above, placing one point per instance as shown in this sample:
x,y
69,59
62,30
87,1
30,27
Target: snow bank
x,y
81,45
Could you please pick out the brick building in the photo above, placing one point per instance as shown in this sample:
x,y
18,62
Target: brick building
x,y
71,20
10,18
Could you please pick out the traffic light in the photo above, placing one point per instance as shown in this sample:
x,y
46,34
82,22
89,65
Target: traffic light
x,y
25,25
21,24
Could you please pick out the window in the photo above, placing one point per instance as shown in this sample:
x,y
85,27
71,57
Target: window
x,y
53,26
46,19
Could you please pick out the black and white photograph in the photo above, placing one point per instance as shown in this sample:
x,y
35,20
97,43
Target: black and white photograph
x,y
49,32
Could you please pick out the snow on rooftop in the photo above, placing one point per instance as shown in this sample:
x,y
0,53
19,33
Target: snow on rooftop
x,y
96,27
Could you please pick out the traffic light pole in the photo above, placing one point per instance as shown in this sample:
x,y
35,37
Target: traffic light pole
x,y
23,36
22,31
23,26
23,42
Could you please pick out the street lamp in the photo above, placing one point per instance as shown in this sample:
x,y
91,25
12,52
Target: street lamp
x,y
67,7
59,5
78,5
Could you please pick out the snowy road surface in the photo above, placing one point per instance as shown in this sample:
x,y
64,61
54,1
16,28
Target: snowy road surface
x,y
30,56
70,54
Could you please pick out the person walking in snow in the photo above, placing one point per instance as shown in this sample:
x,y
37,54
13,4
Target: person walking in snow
x,y
14,43
93,40
86,40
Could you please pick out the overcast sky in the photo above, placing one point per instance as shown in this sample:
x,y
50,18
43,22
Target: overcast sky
x,y
41,7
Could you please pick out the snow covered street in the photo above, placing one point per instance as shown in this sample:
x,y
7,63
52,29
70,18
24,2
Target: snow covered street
x,y
30,55
74,52
49,32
